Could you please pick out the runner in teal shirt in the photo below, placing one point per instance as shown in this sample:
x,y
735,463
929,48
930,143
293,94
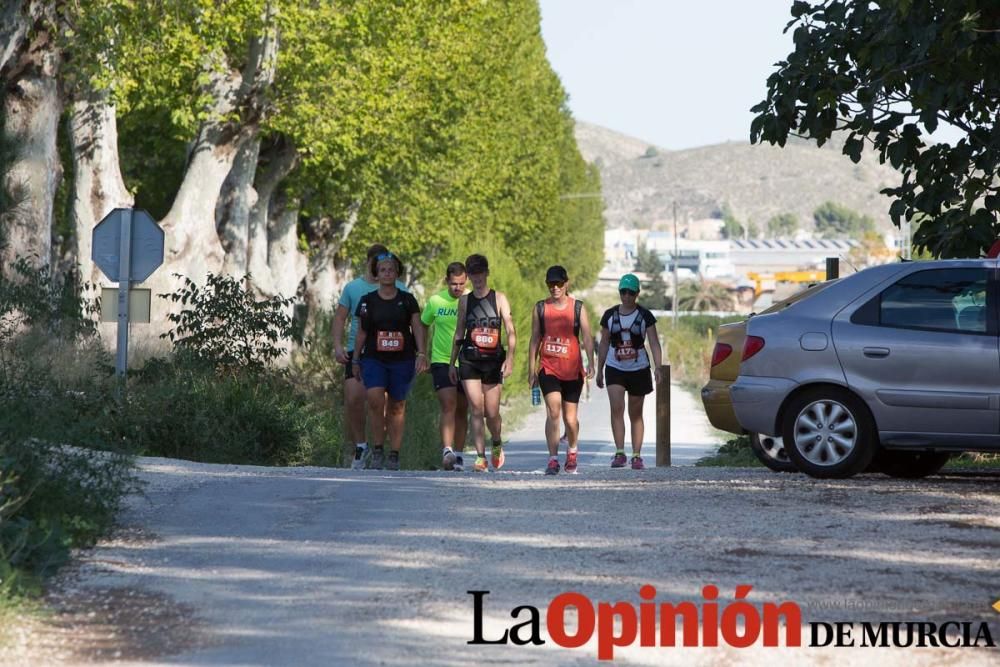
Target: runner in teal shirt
x,y
354,391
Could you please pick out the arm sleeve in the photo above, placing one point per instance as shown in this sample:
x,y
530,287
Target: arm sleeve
x,y
606,317
428,315
411,304
648,317
363,320
345,300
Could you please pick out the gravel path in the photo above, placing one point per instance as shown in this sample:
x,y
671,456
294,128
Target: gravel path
x,y
256,566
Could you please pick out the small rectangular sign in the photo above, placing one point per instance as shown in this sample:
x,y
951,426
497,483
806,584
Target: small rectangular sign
x,y
138,305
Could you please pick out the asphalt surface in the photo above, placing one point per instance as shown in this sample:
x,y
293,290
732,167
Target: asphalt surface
x,y
238,565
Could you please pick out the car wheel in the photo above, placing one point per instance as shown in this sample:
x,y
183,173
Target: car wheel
x,y
828,432
770,451
911,465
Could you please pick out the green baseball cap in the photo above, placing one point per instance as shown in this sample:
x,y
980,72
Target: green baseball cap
x,y
629,281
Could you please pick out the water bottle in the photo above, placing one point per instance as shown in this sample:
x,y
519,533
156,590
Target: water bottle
x,y
536,395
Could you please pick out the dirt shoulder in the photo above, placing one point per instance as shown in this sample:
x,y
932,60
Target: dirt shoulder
x,y
319,566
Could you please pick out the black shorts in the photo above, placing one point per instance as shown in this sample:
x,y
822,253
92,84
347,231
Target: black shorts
x,y
488,371
570,389
348,367
636,383
439,374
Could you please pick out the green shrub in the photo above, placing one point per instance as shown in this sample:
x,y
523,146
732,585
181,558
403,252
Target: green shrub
x,y
735,453
183,408
226,325
52,498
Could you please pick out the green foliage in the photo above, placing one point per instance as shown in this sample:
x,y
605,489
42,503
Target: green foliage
x,y
783,224
31,296
225,325
753,231
52,498
183,408
703,294
52,391
837,221
735,453
731,227
651,152
654,292
887,75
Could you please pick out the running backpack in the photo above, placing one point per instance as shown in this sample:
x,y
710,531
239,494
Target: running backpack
x,y
635,330
540,309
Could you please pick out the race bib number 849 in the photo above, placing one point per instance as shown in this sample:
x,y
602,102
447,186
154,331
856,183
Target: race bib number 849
x,y
389,341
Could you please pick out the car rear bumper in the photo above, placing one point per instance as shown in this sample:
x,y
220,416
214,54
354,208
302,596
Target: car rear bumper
x,y
756,401
719,406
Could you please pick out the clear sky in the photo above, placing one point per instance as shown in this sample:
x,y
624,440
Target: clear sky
x,y
675,73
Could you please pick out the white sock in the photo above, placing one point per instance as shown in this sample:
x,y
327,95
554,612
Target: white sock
x,y
445,451
554,458
572,450
362,445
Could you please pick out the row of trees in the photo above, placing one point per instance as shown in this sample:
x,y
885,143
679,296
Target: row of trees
x,y
278,139
831,220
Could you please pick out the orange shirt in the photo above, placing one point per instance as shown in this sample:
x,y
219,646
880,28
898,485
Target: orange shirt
x,y
559,347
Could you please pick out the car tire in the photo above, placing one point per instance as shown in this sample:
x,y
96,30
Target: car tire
x,y
842,447
910,465
770,451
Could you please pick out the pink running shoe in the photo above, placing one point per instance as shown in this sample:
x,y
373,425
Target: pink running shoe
x,y
637,463
570,465
553,467
619,461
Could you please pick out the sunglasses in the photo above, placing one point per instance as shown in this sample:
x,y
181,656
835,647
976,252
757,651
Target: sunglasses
x,y
385,255
556,283
630,292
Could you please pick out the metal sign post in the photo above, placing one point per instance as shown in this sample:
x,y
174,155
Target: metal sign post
x,y
127,245
124,271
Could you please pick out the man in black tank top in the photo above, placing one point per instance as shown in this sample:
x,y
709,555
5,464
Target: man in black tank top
x,y
483,361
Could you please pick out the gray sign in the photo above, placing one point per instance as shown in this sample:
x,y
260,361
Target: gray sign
x,y
146,245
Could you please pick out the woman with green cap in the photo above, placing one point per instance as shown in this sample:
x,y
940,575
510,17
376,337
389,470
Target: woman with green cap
x,y
625,328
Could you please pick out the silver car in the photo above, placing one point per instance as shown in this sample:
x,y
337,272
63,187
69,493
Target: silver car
x,y
899,362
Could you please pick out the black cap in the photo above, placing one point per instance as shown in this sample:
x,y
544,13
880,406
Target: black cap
x,y
556,274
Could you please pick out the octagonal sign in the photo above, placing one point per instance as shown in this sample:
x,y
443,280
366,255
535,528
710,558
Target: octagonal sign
x,y
146,245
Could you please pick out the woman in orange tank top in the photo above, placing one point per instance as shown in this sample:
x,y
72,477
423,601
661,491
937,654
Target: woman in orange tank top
x,y
554,363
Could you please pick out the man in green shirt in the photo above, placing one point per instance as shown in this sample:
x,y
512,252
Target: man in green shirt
x,y
441,311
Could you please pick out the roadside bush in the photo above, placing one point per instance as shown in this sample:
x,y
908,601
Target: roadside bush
x,y
735,453
184,408
52,498
224,324
56,390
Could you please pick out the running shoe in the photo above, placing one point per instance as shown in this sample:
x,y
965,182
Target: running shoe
x,y
497,457
553,467
459,463
376,461
361,457
448,460
637,463
481,465
393,462
570,466
619,461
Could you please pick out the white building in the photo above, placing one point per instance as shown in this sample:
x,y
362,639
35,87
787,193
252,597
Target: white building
x,y
710,259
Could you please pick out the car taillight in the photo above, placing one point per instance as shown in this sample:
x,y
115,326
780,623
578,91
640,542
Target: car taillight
x,y
751,346
721,353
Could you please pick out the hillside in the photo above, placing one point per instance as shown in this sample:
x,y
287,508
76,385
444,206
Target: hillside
x,y
758,181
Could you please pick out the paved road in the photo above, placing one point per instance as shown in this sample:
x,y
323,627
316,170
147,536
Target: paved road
x,y
232,565
691,435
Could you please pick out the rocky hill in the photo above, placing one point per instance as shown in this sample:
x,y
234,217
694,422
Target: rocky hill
x,y
641,181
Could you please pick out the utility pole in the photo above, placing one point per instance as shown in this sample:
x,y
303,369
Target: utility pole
x,y
907,244
673,304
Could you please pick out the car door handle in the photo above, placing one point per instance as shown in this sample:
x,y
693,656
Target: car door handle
x,y
876,352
